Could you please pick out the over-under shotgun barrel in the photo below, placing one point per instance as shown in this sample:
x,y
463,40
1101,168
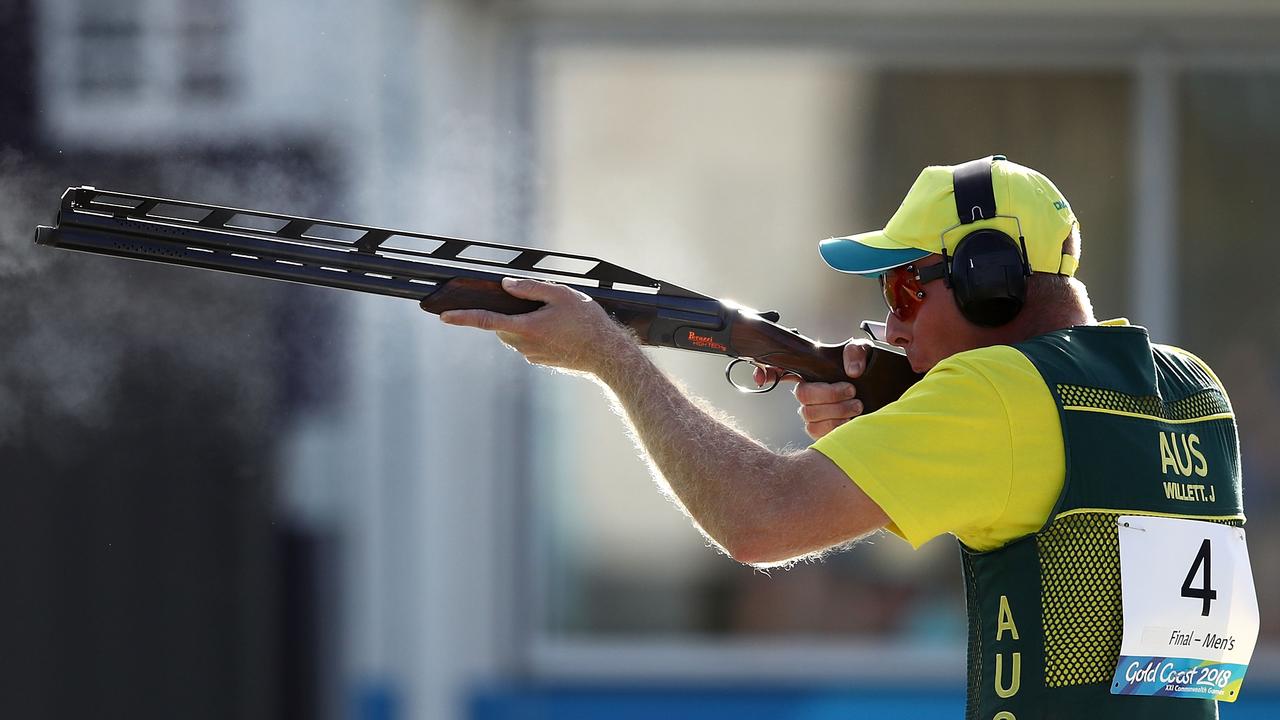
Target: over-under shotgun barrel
x,y
444,273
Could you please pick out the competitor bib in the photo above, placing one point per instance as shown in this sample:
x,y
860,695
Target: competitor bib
x,y
1190,611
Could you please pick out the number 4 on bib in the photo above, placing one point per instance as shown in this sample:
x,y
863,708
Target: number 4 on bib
x,y
1205,592
1190,611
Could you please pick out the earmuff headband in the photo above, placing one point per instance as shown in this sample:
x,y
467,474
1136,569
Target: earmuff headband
x,y
975,195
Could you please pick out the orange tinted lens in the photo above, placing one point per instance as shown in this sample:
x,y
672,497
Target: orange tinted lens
x,y
901,292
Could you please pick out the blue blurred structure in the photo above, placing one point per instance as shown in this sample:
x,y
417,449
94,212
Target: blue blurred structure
x,y
759,703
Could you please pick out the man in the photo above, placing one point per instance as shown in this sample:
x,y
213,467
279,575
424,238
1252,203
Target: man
x,y
1043,441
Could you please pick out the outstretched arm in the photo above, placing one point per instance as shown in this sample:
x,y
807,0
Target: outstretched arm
x,y
760,506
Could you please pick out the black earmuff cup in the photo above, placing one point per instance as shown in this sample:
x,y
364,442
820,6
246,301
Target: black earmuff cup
x,y
988,277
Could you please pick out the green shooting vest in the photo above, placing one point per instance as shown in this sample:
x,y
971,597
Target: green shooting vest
x,y
1141,437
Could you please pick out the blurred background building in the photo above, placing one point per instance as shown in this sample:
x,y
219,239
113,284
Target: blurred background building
x,y
230,498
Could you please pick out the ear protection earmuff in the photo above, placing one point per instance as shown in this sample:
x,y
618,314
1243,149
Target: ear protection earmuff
x,y
988,271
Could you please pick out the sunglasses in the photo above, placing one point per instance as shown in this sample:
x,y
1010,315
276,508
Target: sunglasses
x,y
903,288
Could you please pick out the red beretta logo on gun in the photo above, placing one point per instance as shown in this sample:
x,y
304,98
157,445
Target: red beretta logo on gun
x,y
704,341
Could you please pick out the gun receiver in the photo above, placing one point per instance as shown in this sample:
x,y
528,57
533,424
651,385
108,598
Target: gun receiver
x,y
446,273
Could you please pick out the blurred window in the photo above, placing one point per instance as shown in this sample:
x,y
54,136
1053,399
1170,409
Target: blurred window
x,y
109,41
136,69
205,30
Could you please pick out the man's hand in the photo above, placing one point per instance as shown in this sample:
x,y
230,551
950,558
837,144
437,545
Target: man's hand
x,y
569,331
826,406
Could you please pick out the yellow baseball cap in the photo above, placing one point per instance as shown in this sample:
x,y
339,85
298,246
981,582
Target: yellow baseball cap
x,y
928,217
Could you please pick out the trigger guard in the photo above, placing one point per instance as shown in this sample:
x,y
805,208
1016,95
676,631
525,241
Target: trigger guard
x,y
728,375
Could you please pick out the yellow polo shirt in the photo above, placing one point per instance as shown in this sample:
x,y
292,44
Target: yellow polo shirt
x,y
974,449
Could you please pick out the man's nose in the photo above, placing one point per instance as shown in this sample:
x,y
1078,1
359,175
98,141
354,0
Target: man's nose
x,y
896,332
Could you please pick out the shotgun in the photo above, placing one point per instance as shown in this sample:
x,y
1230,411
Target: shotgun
x,y
448,273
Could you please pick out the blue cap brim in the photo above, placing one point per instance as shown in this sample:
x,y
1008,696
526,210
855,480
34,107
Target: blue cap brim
x,y
849,256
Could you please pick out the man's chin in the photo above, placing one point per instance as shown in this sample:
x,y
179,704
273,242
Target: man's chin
x,y
918,364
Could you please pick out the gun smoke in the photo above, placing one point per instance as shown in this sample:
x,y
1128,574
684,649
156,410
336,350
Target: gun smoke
x,y
79,329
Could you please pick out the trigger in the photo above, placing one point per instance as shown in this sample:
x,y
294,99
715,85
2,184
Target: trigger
x,y
771,315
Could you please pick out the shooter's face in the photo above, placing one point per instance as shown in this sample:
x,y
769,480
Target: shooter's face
x,y
935,330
